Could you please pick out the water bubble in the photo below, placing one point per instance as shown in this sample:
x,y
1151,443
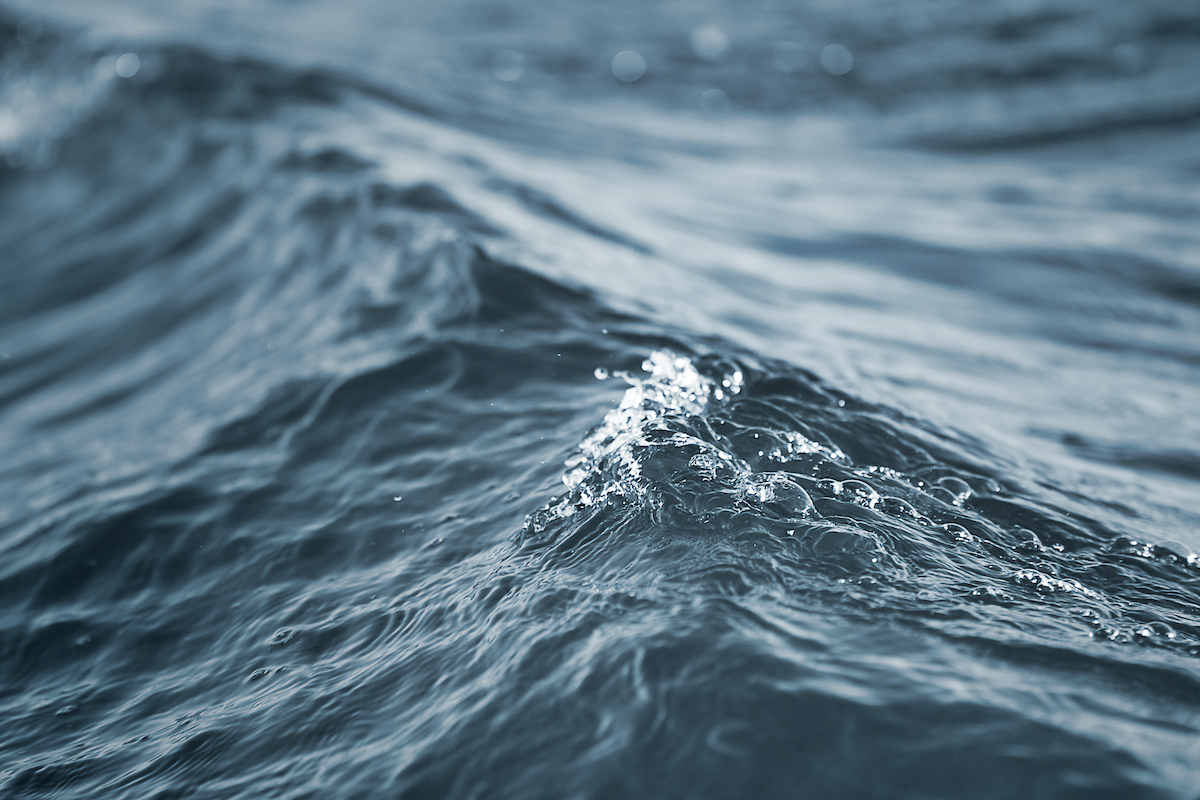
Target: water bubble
x,y
836,59
628,66
960,534
1157,630
1047,584
1176,553
788,57
715,103
858,492
990,595
957,487
1028,542
898,507
508,65
709,43
601,374
29,30
1128,546
941,494
128,65
829,486
1109,633
780,490
1127,58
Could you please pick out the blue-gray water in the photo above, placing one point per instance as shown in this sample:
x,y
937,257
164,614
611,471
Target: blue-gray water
x,y
396,404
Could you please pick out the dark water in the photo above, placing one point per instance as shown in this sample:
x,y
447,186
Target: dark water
x,y
394,404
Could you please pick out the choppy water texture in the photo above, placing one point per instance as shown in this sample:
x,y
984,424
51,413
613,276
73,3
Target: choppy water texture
x,y
394,403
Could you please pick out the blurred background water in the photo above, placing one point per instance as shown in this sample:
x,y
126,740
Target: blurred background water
x,y
664,399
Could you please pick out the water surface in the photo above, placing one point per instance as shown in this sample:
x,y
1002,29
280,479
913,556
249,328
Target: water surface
x,y
394,403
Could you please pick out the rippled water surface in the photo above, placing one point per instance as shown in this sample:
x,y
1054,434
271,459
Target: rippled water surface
x,y
669,400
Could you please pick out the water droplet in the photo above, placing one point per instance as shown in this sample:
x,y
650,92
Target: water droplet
x,y
709,43
628,66
128,65
836,59
508,65
601,374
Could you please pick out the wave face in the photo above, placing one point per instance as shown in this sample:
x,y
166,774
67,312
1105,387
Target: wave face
x,y
481,426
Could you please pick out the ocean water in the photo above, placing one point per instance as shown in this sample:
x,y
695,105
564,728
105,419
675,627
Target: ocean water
x,y
626,400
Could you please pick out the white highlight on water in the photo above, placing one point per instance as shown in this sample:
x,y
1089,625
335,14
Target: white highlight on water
x,y
673,387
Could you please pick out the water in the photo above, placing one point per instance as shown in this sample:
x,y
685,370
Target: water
x,y
416,402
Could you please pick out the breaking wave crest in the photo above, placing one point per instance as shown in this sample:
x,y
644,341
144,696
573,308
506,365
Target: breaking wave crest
x,y
708,448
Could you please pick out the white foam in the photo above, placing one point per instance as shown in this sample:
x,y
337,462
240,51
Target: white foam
x,y
608,456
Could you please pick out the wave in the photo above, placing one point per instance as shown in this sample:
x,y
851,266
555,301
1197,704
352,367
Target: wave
x,y
319,483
